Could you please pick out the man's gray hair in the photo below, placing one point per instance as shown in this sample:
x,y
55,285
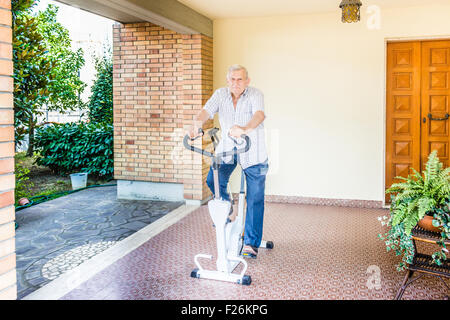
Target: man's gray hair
x,y
237,67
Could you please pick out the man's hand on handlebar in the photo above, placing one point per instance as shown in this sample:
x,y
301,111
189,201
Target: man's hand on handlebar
x,y
212,134
194,131
237,131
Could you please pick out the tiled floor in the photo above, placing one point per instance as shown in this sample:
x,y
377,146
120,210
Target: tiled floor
x,y
320,252
57,235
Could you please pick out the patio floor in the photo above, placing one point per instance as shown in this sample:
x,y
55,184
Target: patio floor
x,y
58,235
320,252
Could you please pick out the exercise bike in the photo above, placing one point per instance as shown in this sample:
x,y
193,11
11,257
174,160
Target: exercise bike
x,y
229,234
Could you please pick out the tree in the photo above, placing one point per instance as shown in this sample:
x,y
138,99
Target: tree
x,y
101,100
32,67
46,70
67,85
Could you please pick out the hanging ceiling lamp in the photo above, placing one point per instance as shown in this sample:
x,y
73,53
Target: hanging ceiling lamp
x,y
350,10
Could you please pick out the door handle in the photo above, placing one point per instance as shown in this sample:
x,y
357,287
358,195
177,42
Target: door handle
x,y
437,119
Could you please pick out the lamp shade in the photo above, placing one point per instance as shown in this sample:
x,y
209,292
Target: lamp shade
x,y
350,10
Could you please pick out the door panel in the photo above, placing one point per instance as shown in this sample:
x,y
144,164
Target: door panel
x,y
417,106
435,93
402,110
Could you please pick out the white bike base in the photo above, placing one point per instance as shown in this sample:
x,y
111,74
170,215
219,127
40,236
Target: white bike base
x,y
240,278
229,245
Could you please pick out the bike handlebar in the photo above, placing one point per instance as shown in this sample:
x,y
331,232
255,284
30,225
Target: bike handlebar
x,y
219,155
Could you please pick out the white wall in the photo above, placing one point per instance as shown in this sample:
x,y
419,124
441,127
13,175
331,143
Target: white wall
x,y
324,87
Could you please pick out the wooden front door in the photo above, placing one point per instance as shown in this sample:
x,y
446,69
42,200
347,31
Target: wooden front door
x,y
417,106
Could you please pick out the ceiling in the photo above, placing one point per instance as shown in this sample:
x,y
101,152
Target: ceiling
x,y
222,9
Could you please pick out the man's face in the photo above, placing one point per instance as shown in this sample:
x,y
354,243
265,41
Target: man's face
x,y
237,82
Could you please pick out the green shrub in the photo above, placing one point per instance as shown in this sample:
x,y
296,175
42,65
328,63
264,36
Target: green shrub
x,y
23,186
77,147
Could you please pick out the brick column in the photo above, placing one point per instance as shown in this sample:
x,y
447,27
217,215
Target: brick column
x,y
161,80
8,287
197,88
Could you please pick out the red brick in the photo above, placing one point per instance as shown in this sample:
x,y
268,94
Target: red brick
x,y
6,83
6,67
6,198
5,4
6,101
6,165
7,181
7,263
7,133
5,16
5,50
7,214
6,116
6,149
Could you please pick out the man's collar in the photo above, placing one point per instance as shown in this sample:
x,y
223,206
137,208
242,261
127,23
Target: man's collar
x,y
244,93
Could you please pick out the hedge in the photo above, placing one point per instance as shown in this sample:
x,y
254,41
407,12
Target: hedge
x,y
76,147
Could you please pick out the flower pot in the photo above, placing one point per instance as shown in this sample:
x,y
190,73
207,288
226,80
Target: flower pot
x,y
78,180
426,223
23,201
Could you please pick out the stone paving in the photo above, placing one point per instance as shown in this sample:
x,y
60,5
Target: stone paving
x,y
58,235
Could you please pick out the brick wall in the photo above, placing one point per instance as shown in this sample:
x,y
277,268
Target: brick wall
x,y
8,287
161,80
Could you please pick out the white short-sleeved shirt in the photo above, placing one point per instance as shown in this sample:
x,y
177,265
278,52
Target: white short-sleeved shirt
x,y
249,102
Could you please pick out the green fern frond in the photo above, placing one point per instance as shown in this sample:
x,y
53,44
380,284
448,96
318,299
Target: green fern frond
x,y
432,168
425,205
401,210
444,175
418,194
399,186
409,223
411,193
417,175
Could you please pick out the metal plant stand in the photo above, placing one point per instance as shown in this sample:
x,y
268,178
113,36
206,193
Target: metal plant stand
x,y
423,263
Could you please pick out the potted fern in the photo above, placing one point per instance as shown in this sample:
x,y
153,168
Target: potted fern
x,y
418,198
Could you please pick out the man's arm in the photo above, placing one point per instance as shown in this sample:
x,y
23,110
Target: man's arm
x,y
255,121
197,123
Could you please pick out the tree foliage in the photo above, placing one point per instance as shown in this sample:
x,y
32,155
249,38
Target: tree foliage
x,y
46,69
101,100
66,85
32,67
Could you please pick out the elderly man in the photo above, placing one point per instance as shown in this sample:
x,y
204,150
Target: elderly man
x,y
241,111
